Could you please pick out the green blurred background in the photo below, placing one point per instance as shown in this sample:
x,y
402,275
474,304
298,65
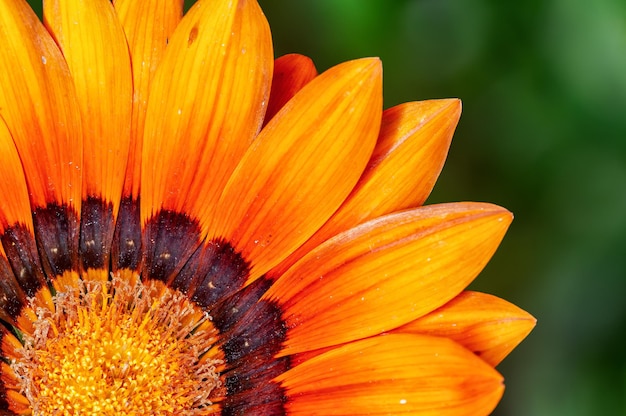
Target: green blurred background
x,y
543,133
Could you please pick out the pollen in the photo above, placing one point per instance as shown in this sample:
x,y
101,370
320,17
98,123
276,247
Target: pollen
x,y
119,346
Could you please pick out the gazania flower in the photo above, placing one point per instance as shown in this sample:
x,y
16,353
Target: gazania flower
x,y
190,227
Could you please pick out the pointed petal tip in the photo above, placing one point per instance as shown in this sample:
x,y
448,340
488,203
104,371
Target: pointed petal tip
x,y
416,114
514,331
437,105
365,74
479,208
445,113
366,68
454,106
449,103
503,214
487,325
375,65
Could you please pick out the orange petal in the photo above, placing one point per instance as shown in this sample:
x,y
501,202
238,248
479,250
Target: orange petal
x,y
16,231
410,152
38,104
94,46
22,282
10,344
12,298
206,104
487,325
393,374
14,205
385,273
148,25
15,402
291,73
303,164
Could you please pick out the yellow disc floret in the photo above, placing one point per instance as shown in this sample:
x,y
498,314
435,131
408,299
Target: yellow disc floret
x,y
116,347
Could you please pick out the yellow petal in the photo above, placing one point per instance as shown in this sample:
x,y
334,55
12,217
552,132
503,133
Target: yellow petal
x,y
386,273
148,25
38,104
410,152
393,374
206,104
487,325
291,73
303,164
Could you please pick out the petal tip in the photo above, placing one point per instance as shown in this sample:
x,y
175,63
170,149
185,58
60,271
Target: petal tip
x,y
456,106
373,64
369,67
502,214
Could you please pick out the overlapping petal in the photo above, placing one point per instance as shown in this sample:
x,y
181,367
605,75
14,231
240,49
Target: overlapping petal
x,y
386,273
9,380
148,26
302,165
16,232
14,204
38,104
94,47
393,374
291,73
206,104
412,146
14,297
487,325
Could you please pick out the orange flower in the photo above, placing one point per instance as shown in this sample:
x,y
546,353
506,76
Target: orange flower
x,y
190,227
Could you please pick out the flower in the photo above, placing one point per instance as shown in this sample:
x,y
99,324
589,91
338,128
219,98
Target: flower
x,y
190,227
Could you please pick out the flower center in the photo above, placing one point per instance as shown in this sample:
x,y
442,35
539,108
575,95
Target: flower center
x,y
119,347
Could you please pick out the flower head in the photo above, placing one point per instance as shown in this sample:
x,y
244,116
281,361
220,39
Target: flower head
x,y
189,226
